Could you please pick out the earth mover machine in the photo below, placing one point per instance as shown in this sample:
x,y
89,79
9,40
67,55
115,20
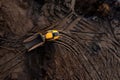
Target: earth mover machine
x,y
39,39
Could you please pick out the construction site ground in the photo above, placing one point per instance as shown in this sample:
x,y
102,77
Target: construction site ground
x,y
88,48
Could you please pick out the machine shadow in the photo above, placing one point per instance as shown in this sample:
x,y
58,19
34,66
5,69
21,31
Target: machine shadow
x,y
38,60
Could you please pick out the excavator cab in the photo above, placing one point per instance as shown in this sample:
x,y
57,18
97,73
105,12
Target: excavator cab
x,y
39,39
52,35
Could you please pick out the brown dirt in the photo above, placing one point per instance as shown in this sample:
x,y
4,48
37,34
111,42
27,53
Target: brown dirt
x,y
89,47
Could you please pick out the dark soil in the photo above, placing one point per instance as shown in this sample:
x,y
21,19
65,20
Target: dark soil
x,y
88,49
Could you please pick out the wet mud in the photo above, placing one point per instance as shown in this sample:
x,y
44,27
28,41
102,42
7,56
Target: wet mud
x,y
88,49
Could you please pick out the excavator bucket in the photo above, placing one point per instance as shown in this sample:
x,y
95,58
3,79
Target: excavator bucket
x,y
34,41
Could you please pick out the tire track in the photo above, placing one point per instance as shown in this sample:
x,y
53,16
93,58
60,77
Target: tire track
x,y
15,51
83,56
18,58
85,25
52,26
9,49
114,39
89,58
81,31
60,22
73,50
70,22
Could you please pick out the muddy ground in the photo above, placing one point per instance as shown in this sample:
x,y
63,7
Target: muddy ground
x,y
88,49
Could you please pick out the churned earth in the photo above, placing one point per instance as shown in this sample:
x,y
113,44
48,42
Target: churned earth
x,y
88,49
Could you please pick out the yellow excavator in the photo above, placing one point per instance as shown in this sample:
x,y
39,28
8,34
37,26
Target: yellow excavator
x,y
39,39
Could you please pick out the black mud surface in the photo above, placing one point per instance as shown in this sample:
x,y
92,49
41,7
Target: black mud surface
x,y
88,49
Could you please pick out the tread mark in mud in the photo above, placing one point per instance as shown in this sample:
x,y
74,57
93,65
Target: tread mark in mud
x,y
78,53
103,57
70,22
18,57
59,23
19,54
79,29
73,50
90,57
86,25
54,25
